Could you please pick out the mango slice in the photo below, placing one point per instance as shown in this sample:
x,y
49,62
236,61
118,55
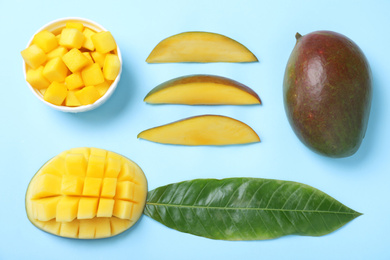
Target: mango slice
x,y
202,90
202,130
86,193
200,47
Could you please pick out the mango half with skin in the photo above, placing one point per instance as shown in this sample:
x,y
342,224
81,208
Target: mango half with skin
x,y
86,193
327,93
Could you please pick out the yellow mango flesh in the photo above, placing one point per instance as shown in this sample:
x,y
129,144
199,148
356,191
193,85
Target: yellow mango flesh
x,y
200,47
202,130
67,198
74,81
45,40
57,52
88,44
99,58
36,78
111,66
71,38
92,75
34,56
75,60
104,42
87,95
103,87
56,93
48,60
76,25
71,99
55,70
202,90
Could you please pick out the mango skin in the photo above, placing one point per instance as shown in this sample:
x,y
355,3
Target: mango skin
x,y
327,92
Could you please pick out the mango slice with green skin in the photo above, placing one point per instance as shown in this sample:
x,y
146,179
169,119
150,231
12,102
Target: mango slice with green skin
x,y
202,90
200,47
86,193
202,130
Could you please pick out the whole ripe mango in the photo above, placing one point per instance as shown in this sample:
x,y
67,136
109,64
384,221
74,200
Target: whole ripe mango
x,y
327,93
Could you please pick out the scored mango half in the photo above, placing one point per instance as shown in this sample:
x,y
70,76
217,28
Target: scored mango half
x,y
86,193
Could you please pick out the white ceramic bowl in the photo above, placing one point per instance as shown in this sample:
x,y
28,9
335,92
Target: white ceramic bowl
x,y
55,27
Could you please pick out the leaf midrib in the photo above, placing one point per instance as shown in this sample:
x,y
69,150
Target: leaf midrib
x,y
260,209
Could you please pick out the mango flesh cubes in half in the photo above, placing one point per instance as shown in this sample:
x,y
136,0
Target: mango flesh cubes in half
x,y
86,62
86,193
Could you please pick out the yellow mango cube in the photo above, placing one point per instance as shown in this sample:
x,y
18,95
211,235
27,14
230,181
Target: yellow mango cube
x,y
92,75
113,167
71,99
108,188
88,44
56,93
57,52
92,186
75,60
69,229
111,67
42,91
114,156
52,226
103,87
103,227
127,172
85,151
124,190
33,56
138,193
45,209
99,58
87,208
87,95
98,152
104,42
47,185
75,164
36,78
117,225
76,25
55,70
106,207
96,166
55,166
122,209
74,81
88,56
71,38
87,229
45,40
40,224
72,185
67,209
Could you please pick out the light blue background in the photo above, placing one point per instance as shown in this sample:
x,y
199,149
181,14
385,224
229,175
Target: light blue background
x,y
31,133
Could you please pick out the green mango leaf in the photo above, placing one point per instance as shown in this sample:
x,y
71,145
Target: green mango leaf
x,y
246,209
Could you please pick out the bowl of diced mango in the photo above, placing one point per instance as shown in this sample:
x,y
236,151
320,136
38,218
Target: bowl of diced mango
x,y
72,64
